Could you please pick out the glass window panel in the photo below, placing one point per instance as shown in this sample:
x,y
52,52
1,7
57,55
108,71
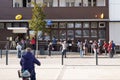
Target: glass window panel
x,y
86,25
62,34
46,37
78,33
8,24
93,33
54,33
62,25
23,24
93,24
85,33
15,24
55,25
70,25
72,4
70,34
78,25
1,25
102,34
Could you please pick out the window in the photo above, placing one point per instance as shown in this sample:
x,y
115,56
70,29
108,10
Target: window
x,y
54,33
70,34
1,25
78,25
55,25
93,33
8,24
70,3
93,24
70,25
86,25
16,24
91,2
23,24
85,33
62,25
78,33
48,3
62,34
101,3
102,34
22,3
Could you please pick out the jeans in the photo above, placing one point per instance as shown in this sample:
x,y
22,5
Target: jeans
x,y
81,53
19,53
64,52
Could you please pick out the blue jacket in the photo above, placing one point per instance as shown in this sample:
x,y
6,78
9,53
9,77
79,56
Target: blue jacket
x,y
28,60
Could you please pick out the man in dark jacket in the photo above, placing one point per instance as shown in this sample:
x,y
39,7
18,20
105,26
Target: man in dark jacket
x,y
27,63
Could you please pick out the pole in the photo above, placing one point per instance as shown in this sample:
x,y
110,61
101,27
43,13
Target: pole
x,y
1,53
62,58
6,57
96,58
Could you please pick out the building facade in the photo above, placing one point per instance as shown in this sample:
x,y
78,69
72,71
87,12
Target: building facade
x,y
71,19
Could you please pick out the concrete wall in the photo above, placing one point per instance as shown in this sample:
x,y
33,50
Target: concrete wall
x,y
114,10
114,32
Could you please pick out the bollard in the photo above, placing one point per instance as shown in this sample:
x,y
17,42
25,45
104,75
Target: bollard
x,y
96,58
62,58
6,57
1,53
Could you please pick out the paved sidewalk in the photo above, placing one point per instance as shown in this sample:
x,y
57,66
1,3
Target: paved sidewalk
x,y
74,68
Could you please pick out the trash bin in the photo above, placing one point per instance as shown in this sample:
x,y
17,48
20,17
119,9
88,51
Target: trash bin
x,y
42,51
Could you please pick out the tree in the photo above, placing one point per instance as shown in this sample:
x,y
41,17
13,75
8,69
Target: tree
x,y
38,23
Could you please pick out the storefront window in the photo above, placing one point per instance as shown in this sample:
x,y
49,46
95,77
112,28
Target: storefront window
x,y
70,34
93,24
70,25
86,25
78,33
23,24
102,34
8,24
62,34
78,25
16,24
1,25
55,25
85,33
62,25
93,33
54,33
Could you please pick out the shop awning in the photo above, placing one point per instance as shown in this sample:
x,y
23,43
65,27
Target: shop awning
x,y
18,29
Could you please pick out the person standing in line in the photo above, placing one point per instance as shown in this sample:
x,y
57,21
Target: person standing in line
x,y
49,48
64,48
105,47
81,49
94,47
33,43
69,42
19,50
54,43
85,47
111,49
28,62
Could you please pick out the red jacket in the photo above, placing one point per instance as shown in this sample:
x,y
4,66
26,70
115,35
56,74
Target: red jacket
x,y
32,41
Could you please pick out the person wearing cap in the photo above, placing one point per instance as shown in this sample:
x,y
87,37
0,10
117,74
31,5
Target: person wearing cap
x,y
27,63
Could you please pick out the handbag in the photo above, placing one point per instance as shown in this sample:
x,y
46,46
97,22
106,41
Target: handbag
x,y
23,74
